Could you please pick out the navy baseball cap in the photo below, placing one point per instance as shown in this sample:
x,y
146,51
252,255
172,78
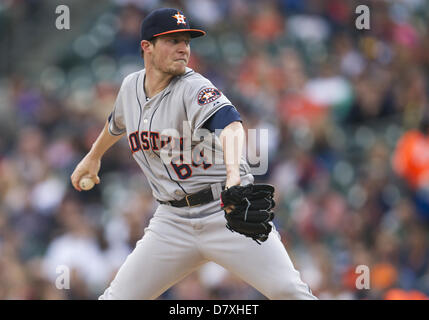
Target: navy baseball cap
x,y
165,21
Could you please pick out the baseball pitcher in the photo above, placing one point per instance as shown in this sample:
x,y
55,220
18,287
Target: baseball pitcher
x,y
209,209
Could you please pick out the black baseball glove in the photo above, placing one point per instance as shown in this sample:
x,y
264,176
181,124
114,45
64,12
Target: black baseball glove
x,y
251,211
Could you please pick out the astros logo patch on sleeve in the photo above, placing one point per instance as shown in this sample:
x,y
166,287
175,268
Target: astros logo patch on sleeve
x,y
208,95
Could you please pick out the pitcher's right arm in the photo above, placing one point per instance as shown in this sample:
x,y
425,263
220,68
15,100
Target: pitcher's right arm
x,y
90,164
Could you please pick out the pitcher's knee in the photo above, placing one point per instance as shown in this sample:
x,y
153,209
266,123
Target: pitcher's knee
x,y
107,295
129,292
291,290
111,294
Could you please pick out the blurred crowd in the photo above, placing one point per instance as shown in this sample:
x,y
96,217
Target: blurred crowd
x,y
347,114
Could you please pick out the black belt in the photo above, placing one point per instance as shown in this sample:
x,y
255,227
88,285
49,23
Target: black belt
x,y
192,200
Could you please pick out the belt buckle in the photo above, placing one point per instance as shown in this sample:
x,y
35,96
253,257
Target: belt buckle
x,y
187,201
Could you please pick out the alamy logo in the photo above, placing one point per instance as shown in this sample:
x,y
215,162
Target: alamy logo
x,y
363,20
63,20
187,150
63,279
363,280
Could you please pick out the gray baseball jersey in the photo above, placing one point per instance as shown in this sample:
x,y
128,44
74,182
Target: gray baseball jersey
x,y
181,108
179,240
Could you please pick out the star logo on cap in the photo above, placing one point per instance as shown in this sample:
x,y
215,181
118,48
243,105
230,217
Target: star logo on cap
x,y
180,18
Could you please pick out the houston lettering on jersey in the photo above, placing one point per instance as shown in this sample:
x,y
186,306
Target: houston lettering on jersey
x,y
152,141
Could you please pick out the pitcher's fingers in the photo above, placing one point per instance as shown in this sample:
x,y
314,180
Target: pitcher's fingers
x,y
229,208
95,178
75,181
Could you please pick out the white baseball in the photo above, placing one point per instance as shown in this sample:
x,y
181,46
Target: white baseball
x,y
86,183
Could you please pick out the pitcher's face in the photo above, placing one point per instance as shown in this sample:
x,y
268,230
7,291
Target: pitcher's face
x,y
170,53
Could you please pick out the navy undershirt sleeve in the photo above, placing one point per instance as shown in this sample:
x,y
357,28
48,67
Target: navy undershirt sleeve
x,y
222,118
